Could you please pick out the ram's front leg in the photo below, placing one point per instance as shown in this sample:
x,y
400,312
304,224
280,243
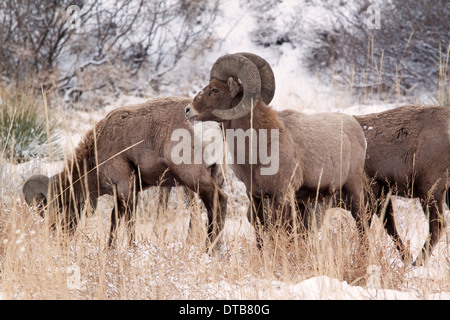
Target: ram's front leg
x,y
198,179
256,217
216,205
125,193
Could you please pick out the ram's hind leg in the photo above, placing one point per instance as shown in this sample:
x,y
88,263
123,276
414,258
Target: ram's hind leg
x,y
385,210
353,192
436,220
122,209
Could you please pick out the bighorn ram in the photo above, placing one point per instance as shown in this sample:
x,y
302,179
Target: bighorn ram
x,y
408,152
321,152
128,151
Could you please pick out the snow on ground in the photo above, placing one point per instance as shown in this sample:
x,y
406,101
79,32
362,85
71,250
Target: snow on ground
x,y
316,288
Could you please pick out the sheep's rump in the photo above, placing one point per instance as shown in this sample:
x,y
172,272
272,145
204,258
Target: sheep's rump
x,y
408,140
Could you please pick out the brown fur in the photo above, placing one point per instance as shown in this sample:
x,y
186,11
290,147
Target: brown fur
x,y
308,145
409,151
133,153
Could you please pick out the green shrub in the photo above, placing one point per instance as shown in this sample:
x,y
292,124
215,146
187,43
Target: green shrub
x,y
24,131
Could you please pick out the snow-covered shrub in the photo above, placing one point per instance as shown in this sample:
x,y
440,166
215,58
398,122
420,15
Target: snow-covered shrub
x,y
403,55
32,35
273,22
118,45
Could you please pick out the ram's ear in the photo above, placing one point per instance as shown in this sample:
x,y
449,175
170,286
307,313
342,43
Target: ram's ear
x,y
234,86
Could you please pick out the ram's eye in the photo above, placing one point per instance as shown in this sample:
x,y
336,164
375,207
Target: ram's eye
x,y
213,90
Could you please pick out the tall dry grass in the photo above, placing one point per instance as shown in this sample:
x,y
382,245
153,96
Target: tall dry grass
x,y
41,262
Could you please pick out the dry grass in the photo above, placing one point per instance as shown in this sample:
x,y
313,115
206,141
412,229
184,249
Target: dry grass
x,y
37,262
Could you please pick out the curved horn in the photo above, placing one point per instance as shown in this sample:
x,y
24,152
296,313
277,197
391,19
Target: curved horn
x,y
233,65
36,189
266,74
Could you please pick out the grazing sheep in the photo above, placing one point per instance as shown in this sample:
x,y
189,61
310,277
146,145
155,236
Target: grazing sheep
x,y
321,152
129,151
408,152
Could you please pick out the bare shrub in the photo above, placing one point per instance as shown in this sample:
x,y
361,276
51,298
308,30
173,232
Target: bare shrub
x,y
32,35
403,56
113,38
273,25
